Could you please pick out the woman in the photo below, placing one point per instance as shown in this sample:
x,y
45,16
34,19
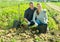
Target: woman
x,y
40,16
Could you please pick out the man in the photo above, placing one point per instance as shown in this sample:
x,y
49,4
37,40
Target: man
x,y
29,13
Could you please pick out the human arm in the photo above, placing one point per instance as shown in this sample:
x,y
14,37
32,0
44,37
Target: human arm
x,y
46,17
25,16
34,18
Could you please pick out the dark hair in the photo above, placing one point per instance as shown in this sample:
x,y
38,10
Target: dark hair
x,y
31,3
38,3
37,12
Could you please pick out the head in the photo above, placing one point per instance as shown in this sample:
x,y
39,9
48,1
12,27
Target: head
x,y
31,5
39,7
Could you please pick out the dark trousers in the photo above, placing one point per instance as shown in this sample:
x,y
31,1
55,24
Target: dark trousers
x,y
31,23
42,28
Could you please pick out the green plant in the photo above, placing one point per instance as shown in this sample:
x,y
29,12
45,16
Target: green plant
x,y
13,40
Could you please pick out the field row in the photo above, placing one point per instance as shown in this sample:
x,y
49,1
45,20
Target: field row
x,y
57,3
54,14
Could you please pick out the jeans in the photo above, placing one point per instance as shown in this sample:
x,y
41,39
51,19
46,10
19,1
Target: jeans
x,y
42,29
38,22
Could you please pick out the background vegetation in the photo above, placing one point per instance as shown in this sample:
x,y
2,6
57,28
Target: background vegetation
x,y
9,11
